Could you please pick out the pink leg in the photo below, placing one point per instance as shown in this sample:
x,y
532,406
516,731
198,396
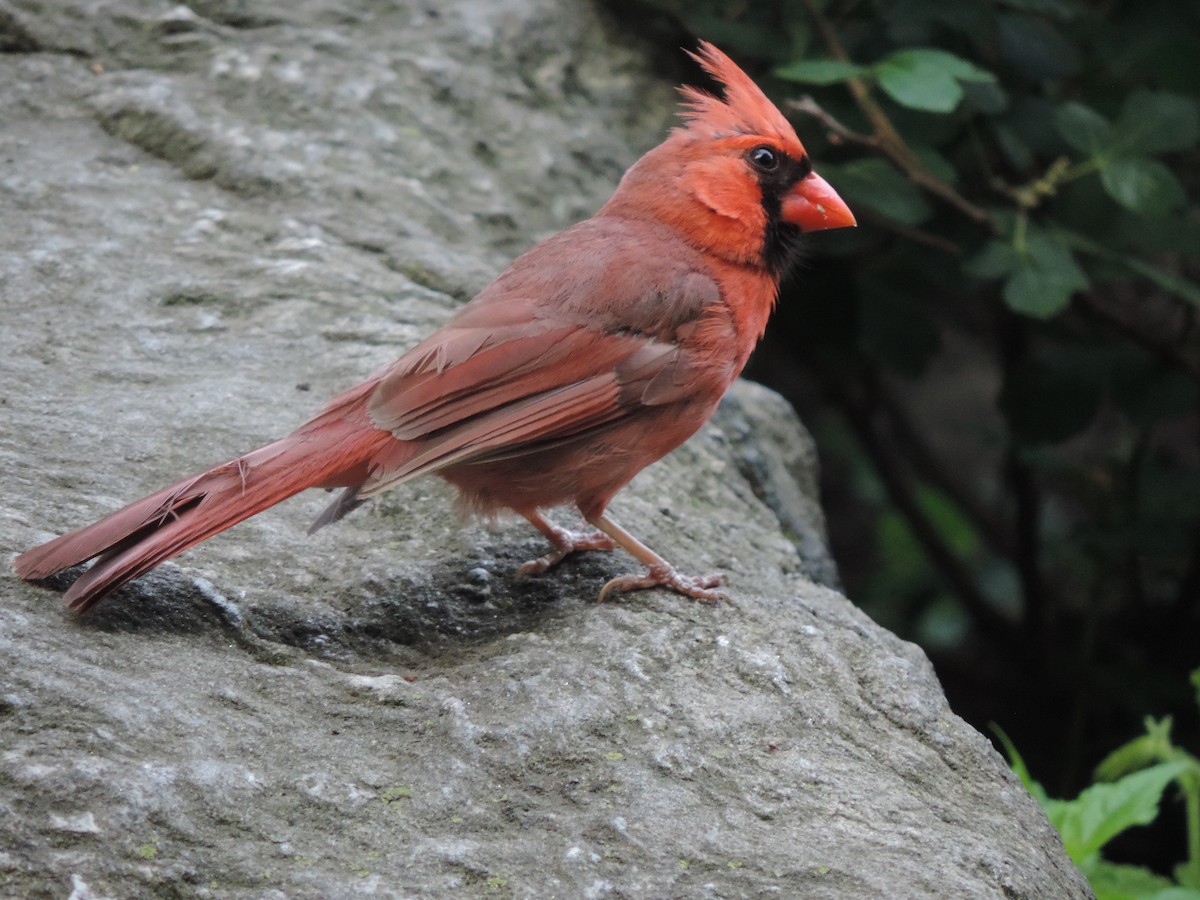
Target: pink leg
x,y
564,542
661,574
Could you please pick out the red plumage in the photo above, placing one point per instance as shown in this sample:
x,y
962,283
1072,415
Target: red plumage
x,y
594,354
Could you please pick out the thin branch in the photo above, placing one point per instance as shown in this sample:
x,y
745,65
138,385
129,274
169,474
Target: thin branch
x,y
838,133
924,237
1134,570
918,454
885,136
1028,557
913,234
1031,194
1164,352
1023,487
902,494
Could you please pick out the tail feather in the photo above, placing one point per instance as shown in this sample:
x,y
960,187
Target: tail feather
x,y
345,502
114,531
134,540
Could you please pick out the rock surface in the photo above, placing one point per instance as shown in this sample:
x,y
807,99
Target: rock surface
x,y
211,218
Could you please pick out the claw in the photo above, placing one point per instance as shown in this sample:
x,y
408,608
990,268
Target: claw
x,y
661,574
697,587
565,543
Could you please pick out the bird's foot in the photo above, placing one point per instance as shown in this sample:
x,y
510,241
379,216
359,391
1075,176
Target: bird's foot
x,y
565,543
697,587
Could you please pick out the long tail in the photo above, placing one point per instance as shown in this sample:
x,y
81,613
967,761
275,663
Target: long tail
x,y
332,450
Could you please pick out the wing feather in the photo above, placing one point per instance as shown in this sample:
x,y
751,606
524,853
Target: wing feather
x,y
511,430
571,339
413,405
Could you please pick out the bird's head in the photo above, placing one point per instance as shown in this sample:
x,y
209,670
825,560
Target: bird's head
x,y
734,178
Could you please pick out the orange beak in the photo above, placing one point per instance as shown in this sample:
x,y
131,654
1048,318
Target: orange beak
x,y
814,206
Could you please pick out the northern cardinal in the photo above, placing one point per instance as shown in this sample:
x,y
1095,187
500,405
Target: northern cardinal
x,y
594,354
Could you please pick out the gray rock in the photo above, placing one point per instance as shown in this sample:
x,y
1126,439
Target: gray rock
x,y
211,218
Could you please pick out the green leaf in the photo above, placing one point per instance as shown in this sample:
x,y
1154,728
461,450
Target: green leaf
x,y
1046,276
819,71
986,97
997,259
936,164
1132,756
1172,893
1142,185
1103,811
947,518
1187,873
927,79
1111,881
1083,128
1157,122
1017,763
874,183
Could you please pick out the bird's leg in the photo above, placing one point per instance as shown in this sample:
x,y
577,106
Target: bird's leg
x,y
661,574
564,542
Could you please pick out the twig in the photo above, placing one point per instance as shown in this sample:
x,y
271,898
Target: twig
x,y
1165,353
837,131
913,234
885,136
912,448
1030,195
1027,516
1028,558
942,558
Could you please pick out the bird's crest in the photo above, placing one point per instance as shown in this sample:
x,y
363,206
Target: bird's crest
x,y
744,109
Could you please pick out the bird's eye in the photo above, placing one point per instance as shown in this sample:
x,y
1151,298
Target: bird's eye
x,y
765,159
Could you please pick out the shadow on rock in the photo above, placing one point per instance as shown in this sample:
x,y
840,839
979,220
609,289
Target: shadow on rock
x,y
455,601
165,601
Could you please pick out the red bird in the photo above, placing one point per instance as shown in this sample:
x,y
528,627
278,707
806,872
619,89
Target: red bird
x,y
594,354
